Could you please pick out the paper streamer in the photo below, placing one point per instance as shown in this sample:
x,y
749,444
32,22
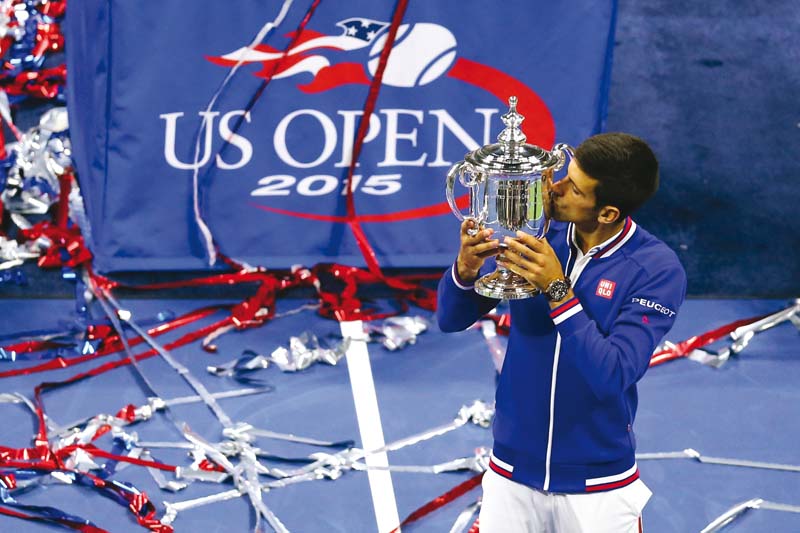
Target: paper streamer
x,y
738,510
205,231
690,453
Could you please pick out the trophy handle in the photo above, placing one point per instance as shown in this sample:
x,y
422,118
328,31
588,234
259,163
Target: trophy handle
x,y
561,151
467,176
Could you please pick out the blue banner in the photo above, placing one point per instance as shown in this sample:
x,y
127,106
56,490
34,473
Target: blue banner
x,y
142,74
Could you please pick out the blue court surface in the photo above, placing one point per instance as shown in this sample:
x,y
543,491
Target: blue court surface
x,y
748,409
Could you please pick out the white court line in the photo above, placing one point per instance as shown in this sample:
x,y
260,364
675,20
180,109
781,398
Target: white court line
x,y
369,426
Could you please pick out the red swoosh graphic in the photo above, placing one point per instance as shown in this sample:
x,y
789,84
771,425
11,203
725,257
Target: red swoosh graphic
x,y
409,214
539,128
305,36
336,76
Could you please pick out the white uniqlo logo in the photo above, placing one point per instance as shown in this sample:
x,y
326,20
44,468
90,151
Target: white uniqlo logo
x,y
605,288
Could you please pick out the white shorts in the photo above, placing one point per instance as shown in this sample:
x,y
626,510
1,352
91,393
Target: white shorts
x,y
510,507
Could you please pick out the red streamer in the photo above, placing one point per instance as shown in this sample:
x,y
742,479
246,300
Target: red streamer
x,y
110,345
62,210
48,39
440,501
45,83
344,305
67,240
683,349
94,450
363,127
502,323
53,8
77,526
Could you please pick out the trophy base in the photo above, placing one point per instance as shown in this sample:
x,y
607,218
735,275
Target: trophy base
x,y
505,285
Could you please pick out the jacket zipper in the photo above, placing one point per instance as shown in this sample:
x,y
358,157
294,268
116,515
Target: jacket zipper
x,y
577,269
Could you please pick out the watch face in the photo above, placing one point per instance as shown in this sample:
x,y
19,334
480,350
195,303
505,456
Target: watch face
x,y
557,289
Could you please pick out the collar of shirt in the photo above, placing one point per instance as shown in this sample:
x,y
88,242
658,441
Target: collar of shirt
x,y
606,248
578,260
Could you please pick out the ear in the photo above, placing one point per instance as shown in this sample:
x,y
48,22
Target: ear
x,y
608,215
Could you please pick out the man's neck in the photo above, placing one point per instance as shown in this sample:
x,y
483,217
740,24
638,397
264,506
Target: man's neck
x,y
589,236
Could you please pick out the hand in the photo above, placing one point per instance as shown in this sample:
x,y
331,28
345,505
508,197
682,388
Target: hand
x,y
533,259
475,249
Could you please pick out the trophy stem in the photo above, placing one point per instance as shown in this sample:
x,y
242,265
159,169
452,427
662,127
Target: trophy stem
x,y
505,285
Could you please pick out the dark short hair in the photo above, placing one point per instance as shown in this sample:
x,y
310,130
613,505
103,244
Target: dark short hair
x,y
624,166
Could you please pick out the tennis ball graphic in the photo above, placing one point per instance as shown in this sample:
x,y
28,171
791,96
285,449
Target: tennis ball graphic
x,y
421,53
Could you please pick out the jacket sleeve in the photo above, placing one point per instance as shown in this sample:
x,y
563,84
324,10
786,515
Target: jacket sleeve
x,y
458,305
612,363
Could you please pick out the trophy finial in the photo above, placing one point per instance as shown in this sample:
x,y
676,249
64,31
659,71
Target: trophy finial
x,y
512,136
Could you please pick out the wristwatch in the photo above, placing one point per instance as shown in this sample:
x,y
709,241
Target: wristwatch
x,y
557,289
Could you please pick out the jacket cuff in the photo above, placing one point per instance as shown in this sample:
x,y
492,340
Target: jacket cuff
x,y
460,283
569,317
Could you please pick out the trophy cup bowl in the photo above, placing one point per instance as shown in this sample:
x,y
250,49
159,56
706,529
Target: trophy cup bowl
x,y
505,182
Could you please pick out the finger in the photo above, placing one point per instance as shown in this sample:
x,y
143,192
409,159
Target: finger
x,y
468,224
516,269
524,251
480,237
529,276
489,253
529,240
543,244
538,244
485,245
520,260
516,245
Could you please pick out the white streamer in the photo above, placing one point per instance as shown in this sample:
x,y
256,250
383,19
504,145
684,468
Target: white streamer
x,y
241,59
245,474
184,372
690,453
741,336
478,413
466,518
332,466
739,509
477,463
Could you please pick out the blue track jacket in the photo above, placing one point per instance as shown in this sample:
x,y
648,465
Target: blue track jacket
x,y
566,398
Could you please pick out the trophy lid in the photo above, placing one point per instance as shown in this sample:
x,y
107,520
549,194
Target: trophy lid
x,y
511,155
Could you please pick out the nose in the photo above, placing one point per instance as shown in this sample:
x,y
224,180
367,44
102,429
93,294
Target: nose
x,y
557,188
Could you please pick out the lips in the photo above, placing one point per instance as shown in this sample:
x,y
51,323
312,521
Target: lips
x,y
551,206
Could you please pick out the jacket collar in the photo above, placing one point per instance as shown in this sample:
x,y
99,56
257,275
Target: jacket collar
x,y
608,247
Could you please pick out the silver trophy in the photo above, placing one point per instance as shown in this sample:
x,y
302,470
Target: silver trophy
x,y
506,194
